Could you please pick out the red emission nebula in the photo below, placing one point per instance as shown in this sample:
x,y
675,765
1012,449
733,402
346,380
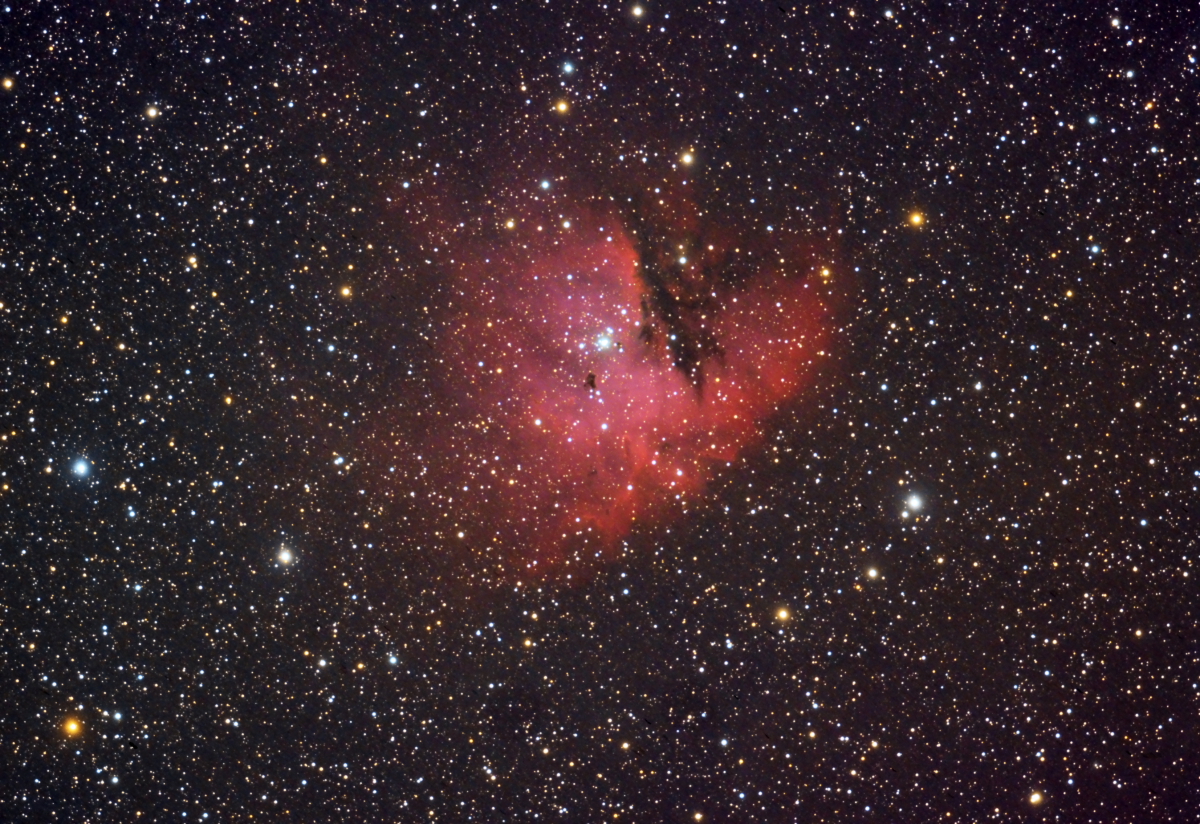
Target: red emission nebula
x,y
599,366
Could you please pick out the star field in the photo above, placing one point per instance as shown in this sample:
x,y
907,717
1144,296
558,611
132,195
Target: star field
x,y
598,411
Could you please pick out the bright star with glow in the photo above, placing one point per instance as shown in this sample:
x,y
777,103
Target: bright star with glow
x,y
82,468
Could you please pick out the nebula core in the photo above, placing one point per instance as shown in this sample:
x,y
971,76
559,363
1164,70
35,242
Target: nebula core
x,y
601,365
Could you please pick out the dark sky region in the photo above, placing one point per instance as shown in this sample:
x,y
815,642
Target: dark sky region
x,y
599,411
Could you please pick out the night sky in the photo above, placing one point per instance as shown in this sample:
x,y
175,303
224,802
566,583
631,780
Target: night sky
x,y
592,411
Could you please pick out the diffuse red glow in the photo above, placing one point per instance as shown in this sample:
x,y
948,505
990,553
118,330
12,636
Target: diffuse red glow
x,y
572,422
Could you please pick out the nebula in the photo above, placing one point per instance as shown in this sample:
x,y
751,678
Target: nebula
x,y
599,367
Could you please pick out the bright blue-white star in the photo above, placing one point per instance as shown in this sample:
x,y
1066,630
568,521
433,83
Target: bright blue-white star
x,y
82,468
